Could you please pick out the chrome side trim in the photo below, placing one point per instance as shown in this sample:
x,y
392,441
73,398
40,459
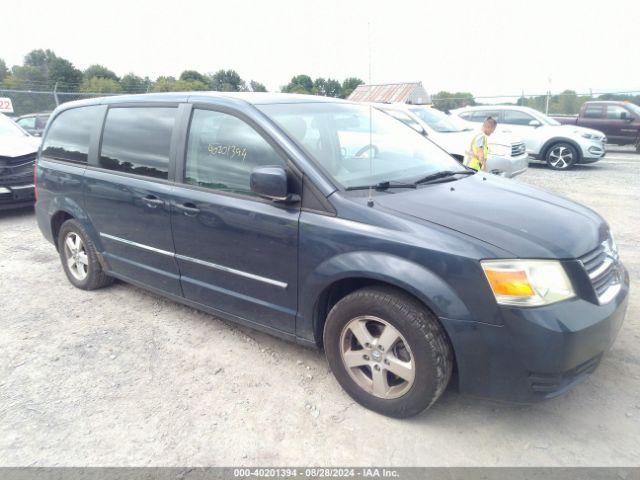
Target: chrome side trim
x,y
240,273
215,266
135,244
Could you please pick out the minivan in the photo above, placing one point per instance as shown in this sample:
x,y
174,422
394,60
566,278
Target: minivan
x,y
406,268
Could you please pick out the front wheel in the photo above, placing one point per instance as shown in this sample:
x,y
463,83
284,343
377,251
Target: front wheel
x,y
387,351
561,156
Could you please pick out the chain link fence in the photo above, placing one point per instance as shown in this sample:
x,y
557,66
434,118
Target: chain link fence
x,y
567,103
32,101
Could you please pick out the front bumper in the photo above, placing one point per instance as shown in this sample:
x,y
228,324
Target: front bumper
x,y
537,353
17,196
592,151
508,166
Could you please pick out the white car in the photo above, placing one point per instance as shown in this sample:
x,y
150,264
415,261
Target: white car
x,y
507,153
561,146
17,156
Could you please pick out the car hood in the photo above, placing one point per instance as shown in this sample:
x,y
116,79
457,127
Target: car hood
x,y
567,130
523,220
16,146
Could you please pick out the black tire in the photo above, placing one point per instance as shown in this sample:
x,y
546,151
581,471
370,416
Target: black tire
x,y
428,345
561,156
95,277
638,146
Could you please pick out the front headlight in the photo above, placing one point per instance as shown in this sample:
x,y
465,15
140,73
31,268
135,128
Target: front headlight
x,y
591,136
527,283
499,150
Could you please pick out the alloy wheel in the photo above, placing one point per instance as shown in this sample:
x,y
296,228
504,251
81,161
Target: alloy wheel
x,y
76,256
560,157
377,357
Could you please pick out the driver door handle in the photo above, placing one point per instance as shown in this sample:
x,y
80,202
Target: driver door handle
x,y
152,201
188,208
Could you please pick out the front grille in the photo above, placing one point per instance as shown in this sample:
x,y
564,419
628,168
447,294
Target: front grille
x,y
17,170
518,149
601,264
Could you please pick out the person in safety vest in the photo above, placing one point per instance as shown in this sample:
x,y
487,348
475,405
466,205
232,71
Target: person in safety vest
x,y
476,157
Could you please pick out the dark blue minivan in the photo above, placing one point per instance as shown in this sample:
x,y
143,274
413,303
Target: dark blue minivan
x,y
334,225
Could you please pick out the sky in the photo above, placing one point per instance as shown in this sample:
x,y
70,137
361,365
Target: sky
x,y
485,47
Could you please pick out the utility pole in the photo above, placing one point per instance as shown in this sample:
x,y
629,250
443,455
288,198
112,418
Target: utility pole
x,y
55,94
546,109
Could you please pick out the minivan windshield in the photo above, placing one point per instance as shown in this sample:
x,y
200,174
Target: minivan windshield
x,y
359,145
436,119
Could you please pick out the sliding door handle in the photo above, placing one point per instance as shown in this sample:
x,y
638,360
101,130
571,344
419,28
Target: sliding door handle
x,y
188,208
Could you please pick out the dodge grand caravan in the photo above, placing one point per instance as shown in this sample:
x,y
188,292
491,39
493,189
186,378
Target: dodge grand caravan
x,y
403,265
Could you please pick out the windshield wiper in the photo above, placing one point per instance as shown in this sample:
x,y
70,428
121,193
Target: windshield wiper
x,y
444,174
382,186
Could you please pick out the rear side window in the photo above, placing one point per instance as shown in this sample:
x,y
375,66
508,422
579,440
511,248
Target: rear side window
x,y
69,135
481,115
516,117
137,140
222,151
594,111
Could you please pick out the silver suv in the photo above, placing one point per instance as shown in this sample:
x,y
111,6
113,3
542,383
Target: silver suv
x,y
561,146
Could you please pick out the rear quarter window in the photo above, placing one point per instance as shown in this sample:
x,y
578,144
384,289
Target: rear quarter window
x,y
70,133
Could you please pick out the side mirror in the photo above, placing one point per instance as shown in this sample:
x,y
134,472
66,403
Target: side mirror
x,y
535,123
271,183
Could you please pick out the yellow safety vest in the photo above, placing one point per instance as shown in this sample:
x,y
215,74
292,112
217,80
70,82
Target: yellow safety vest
x,y
474,161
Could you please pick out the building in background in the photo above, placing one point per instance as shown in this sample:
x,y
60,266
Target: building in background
x,y
413,93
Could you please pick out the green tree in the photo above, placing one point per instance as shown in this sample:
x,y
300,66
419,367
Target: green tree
x,y
319,86
100,85
448,101
63,72
333,88
349,85
299,84
164,84
193,75
226,81
46,69
170,84
3,70
131,83
100,72
257,86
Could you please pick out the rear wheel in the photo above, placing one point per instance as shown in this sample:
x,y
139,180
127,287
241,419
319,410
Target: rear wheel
x,y
387,351
561,156
79,257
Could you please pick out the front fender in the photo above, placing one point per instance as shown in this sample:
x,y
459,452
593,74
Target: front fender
x,y
399,272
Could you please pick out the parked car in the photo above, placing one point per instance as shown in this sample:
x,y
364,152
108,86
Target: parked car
x,y
507,153
619,121
17,156
561,146
34,123
397,261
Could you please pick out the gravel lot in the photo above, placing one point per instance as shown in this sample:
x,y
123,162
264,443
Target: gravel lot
x,y
122,377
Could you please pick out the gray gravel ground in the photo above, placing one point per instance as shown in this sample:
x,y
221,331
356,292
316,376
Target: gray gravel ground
x,y
123,377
